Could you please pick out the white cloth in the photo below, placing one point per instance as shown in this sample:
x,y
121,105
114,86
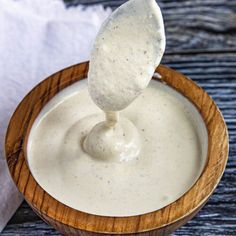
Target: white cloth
x,y
37,38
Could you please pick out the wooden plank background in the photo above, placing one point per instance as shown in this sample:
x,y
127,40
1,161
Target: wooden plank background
x,y
201,43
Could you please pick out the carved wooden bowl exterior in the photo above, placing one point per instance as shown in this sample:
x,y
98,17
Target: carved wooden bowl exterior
x,y
73,222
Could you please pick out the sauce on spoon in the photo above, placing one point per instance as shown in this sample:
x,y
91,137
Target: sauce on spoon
x,y
122,63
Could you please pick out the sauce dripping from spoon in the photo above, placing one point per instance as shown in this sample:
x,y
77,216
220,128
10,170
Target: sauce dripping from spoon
x,y
128,48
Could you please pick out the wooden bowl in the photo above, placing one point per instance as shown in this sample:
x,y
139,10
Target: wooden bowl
x,y
73,222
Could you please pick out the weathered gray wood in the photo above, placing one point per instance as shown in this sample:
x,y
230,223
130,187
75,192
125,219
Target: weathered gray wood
x,y
192,24
201,43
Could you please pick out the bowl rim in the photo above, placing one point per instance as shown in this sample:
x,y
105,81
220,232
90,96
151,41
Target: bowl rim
x,y
48,207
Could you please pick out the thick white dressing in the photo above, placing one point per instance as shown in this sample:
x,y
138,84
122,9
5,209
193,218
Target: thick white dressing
x,y
145,151
126,52
174,149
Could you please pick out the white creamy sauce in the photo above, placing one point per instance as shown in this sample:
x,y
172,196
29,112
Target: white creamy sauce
x,y
126,52
120,164
173,154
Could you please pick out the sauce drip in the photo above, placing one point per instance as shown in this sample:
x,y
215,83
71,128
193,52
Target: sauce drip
x,y
122,63
112,117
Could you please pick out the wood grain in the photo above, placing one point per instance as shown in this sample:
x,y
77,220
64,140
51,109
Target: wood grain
x,y
192,24
71,222
209,58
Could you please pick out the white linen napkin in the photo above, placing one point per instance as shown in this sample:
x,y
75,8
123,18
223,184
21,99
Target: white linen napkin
x,y
37,38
